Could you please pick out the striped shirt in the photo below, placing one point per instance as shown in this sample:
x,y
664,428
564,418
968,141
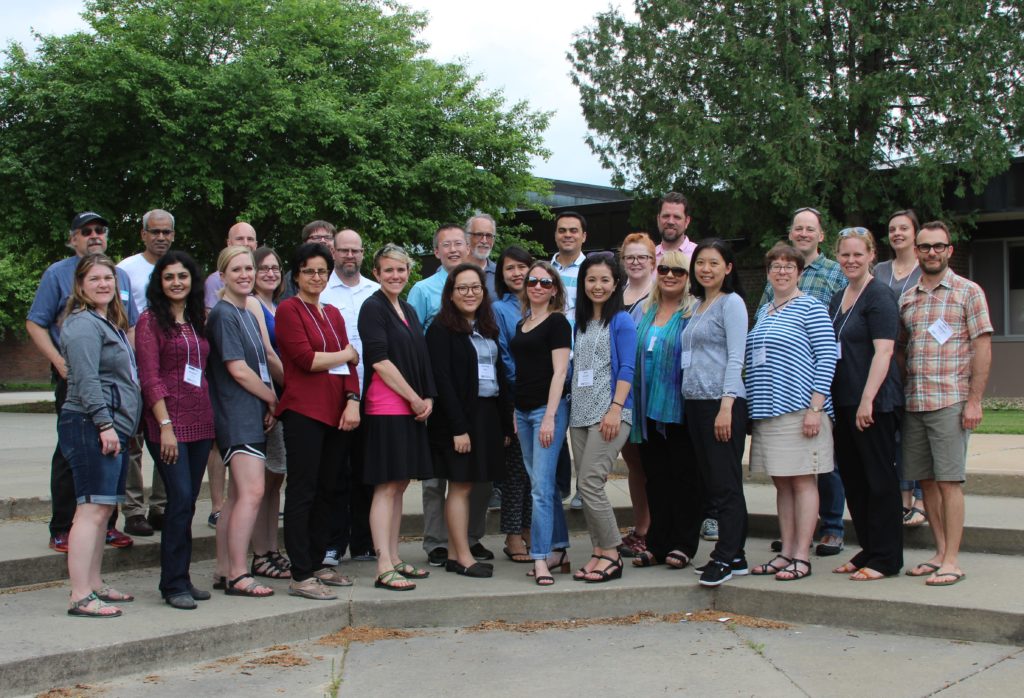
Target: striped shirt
x,y
820,279
798,348
939,375
569,274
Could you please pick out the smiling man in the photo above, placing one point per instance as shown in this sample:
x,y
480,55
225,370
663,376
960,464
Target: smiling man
x,y
451,250
673,220
480,234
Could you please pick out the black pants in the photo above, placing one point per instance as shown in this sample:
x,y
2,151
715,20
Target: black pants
x,y
674,494
867,465
317,462
721,472
350,508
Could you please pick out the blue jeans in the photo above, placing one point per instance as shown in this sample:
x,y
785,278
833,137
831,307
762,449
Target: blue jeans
x,y
831,501
99,478
182,480
547,528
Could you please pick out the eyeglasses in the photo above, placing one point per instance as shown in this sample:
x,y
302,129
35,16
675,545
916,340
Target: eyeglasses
x,y
309,273
471,290
664,270
544,283
939,247
268,269
348,251
788,268
452,244
86,231
321,237
482,236
160,231
847,232
634,258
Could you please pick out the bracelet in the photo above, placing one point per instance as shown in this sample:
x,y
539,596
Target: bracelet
x,y
619,404
105,426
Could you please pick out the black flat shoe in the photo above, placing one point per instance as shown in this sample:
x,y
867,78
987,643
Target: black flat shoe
x,y
474,570
198,594
183,602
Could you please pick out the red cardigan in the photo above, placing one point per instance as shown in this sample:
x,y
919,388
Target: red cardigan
x,y
301,332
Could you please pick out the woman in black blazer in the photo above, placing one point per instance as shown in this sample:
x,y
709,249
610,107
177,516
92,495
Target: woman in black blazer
x,y
473,417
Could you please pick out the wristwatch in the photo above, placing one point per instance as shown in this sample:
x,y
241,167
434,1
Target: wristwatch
x,y
816,409
352,396
164,422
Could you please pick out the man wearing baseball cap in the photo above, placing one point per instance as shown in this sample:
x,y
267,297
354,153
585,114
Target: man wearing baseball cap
x,y
88,235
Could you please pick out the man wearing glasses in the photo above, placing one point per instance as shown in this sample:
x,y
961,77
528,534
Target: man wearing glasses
x,y
945,348
346,290
451,250
673,220
480,232
157,235
320,232
88,235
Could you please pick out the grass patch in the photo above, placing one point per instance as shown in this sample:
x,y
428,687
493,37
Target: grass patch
x,y
1001,421
25,387
41,407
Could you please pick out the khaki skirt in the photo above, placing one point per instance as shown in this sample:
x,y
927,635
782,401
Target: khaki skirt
x,y
780,448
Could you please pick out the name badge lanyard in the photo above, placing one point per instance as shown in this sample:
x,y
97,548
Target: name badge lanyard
x,y
839,332
193,374
761,352
264,373
341,369
940,329
687,354
123,338
892,277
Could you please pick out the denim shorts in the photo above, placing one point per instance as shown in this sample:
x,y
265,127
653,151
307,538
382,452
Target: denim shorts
x,y
99,478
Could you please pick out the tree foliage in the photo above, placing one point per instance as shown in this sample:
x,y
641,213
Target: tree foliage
x,y
760,106
272,111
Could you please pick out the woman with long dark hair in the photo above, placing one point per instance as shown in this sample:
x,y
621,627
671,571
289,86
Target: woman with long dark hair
x,y
473,415
173,352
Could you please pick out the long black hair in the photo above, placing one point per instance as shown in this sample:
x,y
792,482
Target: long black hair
x,y
731,283
450,317
584,306
195,308
511,252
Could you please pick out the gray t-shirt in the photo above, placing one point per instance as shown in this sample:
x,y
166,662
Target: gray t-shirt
x,y
716,339
883,272
234,334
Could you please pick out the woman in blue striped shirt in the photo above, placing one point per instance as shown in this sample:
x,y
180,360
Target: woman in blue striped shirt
x,y
790,360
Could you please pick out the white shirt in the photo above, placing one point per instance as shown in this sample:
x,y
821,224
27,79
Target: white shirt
x,y
138,269
348,300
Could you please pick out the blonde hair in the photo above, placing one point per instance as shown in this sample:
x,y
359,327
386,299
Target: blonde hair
x,y
857,234
78,300
229,253
395,252
674,258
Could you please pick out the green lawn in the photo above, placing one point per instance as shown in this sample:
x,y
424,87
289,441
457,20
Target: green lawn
x,y
1002,422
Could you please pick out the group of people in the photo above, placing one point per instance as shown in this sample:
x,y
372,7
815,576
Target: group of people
x,y
487,374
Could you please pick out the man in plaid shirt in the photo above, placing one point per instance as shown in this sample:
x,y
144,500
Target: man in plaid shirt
x,y
820,279
946,349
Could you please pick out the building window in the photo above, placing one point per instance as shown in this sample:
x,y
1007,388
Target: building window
x,y
998,267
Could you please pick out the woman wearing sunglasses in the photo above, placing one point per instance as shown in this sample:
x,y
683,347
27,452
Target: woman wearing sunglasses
x,y
790,360
541,351
866,392
666,452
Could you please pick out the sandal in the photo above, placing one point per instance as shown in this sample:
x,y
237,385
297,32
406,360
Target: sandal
x,y
517,557
770,567
866,574
266,566
393,581
109,594
612,571
220,583
794,571
93,607
645,559
846,568
580,575
555,564
253,588
925,569
633,544
281,561
411,571
541,580
915,517
677,556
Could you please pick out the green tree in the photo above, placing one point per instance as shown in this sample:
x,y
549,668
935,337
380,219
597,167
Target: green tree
x,y
272,111
760,106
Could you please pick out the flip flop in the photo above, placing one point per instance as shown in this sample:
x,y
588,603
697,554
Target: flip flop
x,y
953,578
915,517
929,569
866,574
846,568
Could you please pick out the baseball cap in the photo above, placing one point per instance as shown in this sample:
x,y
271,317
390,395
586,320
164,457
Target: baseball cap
x,y
85,218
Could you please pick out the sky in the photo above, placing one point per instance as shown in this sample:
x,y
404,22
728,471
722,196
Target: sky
x,y
517,47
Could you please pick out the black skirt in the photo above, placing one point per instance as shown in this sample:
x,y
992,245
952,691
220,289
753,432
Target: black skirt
x,y
485,461
396,449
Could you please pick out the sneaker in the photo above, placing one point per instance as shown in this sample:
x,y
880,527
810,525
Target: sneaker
x,y
367,556
576,502
709,529
479,552
495,503
212,519
59,542
331,557
311,588
829,545
739,567
437,557
715,573
137,525
332,577
116,539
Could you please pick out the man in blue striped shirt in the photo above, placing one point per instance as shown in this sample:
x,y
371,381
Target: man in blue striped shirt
x,y
821,278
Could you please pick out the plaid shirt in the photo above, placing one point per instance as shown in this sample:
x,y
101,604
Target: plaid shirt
x,y
820,279
939,375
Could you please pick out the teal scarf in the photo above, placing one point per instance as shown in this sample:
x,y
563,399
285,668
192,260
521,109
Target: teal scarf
x,y
659,396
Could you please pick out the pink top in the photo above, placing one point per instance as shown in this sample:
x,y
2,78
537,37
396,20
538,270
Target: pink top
x,y
161,359
382,400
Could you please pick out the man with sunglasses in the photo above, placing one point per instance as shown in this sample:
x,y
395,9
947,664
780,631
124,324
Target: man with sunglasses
x,y
157,235
945,348
88,235
820,279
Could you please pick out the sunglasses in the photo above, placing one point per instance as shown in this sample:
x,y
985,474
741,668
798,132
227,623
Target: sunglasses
x,y
544,283
89,230
664,270
847,232
815,211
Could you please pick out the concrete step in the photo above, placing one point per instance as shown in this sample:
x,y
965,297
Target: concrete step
x,y
994,525
47,648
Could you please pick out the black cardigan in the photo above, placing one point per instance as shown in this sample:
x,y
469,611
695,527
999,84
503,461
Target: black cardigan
x,y
454,361
386,337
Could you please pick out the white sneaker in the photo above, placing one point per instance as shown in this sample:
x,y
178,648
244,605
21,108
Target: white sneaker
x,y
331,557
576,502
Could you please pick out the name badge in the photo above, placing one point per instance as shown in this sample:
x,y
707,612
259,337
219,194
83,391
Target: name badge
x,y
760,356
341,370
839,350
585,378
684,362
193,375
941,330
485,372
124,296
650,347
264,373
